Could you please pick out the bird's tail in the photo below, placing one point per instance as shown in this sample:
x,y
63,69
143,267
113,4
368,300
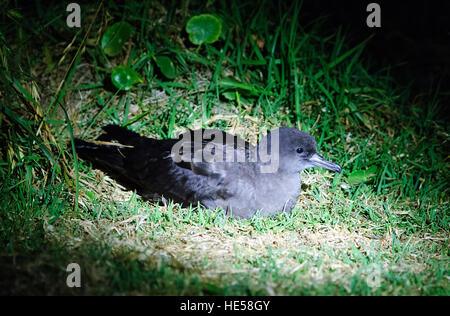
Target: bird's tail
x,y
120,134
103,153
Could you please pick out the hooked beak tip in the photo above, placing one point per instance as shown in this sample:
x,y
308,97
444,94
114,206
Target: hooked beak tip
x,y
319,161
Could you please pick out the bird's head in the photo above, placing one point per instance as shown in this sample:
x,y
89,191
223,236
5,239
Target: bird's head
x,y
296,150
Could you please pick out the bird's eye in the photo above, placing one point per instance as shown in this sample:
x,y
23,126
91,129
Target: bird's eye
x,y
299,150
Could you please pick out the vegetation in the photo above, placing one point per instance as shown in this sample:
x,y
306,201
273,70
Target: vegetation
x,y
380,228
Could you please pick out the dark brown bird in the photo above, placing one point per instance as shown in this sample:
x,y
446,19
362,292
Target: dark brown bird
x,y
210,166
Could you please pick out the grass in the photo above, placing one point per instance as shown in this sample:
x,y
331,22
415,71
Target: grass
x,y
386,236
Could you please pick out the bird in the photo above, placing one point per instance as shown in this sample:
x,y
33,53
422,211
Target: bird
x,y
209,167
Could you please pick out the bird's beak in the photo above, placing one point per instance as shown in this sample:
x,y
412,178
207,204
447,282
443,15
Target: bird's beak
x,y
318,161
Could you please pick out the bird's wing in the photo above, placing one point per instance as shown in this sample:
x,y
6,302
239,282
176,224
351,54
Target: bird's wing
x,y
206,159
212,153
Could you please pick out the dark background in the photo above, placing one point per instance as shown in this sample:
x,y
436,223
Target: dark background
x,y
413,41
414,38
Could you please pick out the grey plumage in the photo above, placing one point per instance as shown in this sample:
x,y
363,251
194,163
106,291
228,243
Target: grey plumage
x,y
221,171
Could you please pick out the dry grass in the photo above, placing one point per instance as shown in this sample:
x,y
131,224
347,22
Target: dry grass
x,y
221,254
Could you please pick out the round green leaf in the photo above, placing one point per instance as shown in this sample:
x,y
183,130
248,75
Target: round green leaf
x,y
204,28
166,66
114,38
124,77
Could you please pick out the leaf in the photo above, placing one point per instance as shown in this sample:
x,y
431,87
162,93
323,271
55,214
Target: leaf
x,y
231,83
90,195
114,38
166,66
15,14
204,28
124,77
230,95
359,176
